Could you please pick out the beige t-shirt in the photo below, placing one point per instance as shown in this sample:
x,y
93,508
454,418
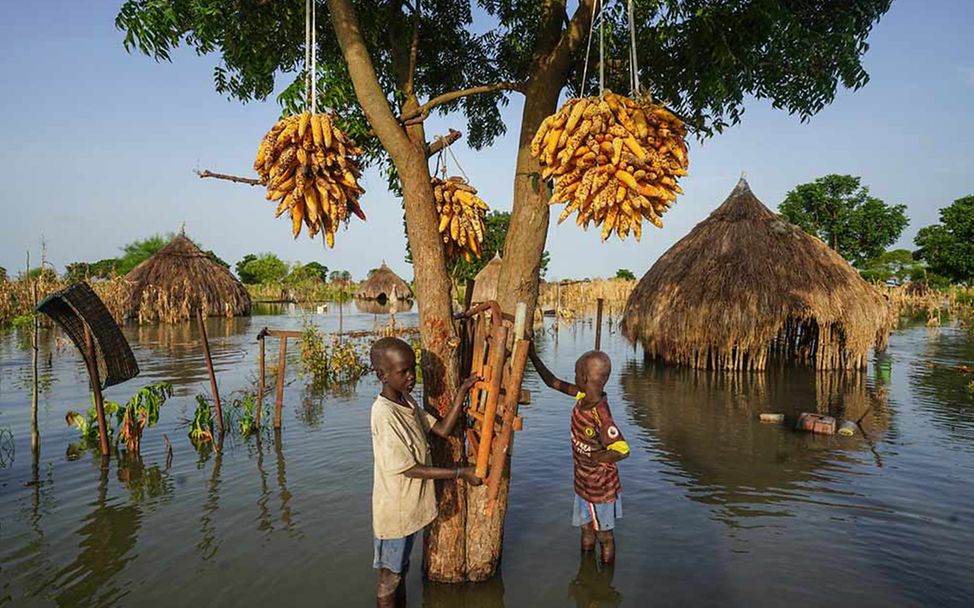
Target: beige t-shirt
x,y
400,505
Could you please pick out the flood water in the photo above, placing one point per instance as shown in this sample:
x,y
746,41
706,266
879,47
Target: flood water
x,y
720,509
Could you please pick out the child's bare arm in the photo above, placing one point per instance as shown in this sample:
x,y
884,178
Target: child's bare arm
x,y
548,378
424,472
444,427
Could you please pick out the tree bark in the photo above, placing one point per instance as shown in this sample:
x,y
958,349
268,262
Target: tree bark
x,y
445,547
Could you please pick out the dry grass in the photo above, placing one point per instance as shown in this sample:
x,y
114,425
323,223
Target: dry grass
x,y
384,284
908,302
177,281
17,299
573,299
743,286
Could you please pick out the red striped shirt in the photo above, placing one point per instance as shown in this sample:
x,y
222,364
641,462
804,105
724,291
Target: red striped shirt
x,y
594,429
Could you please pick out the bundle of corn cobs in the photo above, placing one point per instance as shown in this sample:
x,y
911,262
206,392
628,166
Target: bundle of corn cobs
x,y
461,214
615,161
311,168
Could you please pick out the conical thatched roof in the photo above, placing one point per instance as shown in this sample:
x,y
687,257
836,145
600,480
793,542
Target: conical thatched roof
x,y
746,284
384,284
485,283
176,281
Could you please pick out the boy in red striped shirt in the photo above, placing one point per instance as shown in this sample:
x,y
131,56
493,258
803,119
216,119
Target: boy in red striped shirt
x,y
597,445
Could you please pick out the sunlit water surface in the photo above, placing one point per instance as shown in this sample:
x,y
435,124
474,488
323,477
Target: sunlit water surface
x,y
719,509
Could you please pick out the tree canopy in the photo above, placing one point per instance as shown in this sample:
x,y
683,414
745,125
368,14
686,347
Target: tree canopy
x,y
948,246
703,58
839,210
261,268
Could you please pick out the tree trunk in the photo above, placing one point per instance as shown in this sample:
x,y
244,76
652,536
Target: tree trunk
x,y
524,244
445,549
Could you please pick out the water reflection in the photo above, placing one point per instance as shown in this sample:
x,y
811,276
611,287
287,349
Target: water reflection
x,y
943,377
108,536
209,542
592,586
375,307
488,594
283,492
706,425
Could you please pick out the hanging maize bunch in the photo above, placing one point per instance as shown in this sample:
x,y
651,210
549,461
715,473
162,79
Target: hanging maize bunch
x,y
615,161
311,169
462,215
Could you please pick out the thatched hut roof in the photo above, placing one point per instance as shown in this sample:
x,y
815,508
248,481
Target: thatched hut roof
x,y
384,284
179,279
746,284
485,283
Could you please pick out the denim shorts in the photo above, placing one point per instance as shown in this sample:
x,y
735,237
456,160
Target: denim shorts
x,y
603,515
393,553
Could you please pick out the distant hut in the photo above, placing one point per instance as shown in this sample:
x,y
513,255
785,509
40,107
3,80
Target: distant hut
x,y
384,285
745,286
179,279
485,283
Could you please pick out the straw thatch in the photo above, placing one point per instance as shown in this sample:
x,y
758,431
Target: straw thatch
x,y
177,281
485,283
746,285
383,285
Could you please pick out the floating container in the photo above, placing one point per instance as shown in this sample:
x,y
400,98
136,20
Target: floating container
x,y
847,428
772,418
816,423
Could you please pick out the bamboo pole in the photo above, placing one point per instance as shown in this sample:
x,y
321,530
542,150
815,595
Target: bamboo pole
x,y
91,362
209,369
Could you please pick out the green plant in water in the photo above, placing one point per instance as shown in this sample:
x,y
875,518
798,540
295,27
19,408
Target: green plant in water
x,y
328,362
141,411
87,424
246,414
201,427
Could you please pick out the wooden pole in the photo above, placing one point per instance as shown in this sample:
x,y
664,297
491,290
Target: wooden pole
x,y
279,401
498,351
598,323
35,436
209,368
260,380
341,298
91,362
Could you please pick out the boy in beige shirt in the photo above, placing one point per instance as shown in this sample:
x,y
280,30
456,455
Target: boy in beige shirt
x,y
403,495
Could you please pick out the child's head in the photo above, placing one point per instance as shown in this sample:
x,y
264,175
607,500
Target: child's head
x,y
394,363
592,372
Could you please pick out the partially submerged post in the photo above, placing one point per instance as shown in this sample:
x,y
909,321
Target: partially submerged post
x,y
91,362
598,323
209,368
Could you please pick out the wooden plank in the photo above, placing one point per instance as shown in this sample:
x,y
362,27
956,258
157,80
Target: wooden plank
x,y
283,333
497,354
499,458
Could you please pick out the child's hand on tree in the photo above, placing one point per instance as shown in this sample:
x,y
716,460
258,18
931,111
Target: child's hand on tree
x,y
469,382
469,475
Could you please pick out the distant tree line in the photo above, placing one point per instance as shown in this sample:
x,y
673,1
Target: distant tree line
x,y
840,210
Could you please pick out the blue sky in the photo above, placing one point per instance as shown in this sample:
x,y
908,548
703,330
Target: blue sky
x,y
99,147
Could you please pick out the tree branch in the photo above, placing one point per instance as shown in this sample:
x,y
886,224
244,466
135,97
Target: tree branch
x,y
422,112
233,178
369,92
442,142
439,143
